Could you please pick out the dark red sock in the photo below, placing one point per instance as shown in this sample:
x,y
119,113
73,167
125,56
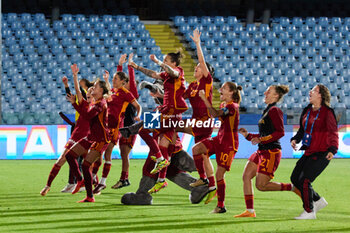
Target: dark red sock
x,y
71,177
106,169
249,201
286,187
221,192
73,164
124,175
198,161
150,141
53,173
164,150
87,178
96,166
211,181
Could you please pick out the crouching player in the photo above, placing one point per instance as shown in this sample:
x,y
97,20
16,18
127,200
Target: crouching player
x,y
180,163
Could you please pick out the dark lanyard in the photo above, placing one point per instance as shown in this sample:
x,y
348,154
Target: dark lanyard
x,y
307,119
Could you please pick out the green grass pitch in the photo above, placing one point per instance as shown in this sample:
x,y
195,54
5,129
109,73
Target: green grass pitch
x,y
22,209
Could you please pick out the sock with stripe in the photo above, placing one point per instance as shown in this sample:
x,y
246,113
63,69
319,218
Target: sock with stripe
x,y
53,173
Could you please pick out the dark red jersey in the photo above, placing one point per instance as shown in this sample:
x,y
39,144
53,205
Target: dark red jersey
x,y
174,88
117,105
132,82
200,111
228,132
271,128
324,136
96,114
130,111
81,128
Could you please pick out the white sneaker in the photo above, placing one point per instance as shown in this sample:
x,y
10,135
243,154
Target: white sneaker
x,y
82,189
68,188
320,204
306,215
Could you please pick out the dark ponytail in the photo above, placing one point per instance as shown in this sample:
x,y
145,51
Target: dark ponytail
x,y
210,69
123,76
176,57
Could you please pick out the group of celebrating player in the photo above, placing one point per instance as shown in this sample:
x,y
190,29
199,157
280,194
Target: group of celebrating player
x,y
106,110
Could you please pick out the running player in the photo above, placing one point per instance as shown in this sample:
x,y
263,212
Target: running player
x,y
120,99
173,105
263,163
204,81
81,129
126,144
97,139
224,145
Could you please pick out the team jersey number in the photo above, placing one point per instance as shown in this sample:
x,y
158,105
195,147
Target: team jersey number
x,y
264,164
226,159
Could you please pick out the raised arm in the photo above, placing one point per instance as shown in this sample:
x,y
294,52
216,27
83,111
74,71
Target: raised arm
x,y
150,73
106,78
132,82
66,86
197,40
75,71
173,73
121,61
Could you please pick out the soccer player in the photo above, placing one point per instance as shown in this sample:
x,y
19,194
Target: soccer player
x,y
121,98
97,139
180,163
263,163
224,145
126,144
81,129
318,133
204,81
84,86
173,105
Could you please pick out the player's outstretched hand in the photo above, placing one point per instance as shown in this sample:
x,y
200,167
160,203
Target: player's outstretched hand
x,y
153,58
71,98
75,69
196,36
131,55
65,80
122,59
106,75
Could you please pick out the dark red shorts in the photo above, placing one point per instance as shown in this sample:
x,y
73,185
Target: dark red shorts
x,y
91,145
130,141
267,161
201,133
114,135
224,153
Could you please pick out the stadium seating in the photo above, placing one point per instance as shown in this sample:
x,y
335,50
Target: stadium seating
x,y
37,54
294,51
